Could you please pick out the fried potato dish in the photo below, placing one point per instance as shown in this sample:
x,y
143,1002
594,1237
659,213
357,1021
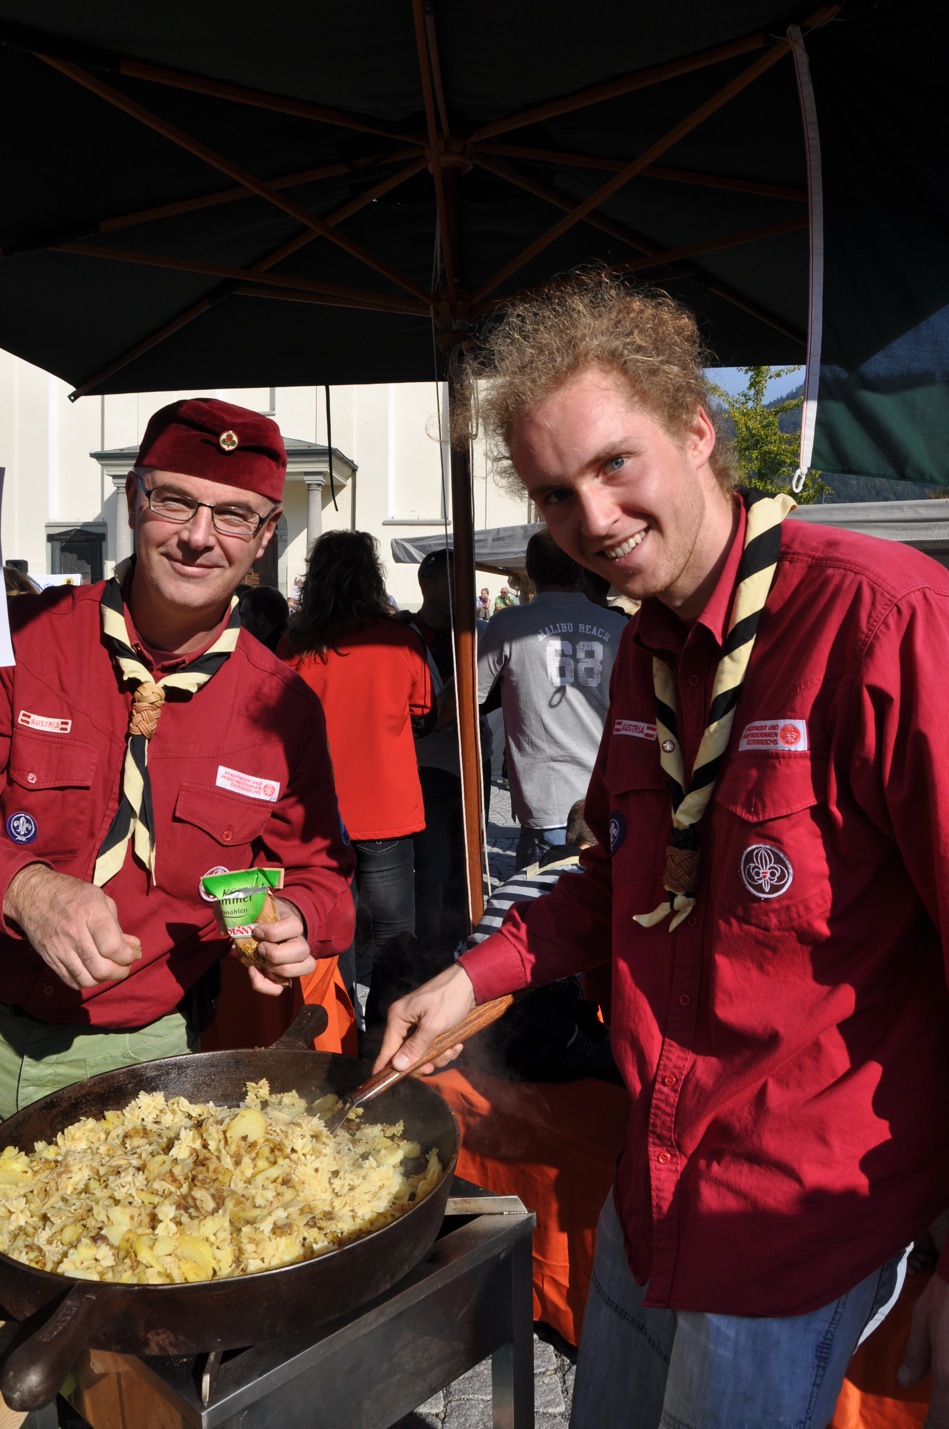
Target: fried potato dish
x,y
166,1191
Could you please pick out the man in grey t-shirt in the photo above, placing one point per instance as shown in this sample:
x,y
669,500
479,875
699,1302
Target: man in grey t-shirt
x,y
553,658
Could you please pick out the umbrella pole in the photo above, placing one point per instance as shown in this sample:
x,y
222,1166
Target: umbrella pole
x,y
466,661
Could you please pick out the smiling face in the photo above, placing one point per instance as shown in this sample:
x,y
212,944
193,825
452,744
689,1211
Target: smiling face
x,y
622,496
186,574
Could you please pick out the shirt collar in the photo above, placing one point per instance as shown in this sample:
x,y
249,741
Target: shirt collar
x,y
660,628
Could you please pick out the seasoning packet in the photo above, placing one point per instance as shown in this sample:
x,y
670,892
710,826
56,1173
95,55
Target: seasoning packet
x,y
244,898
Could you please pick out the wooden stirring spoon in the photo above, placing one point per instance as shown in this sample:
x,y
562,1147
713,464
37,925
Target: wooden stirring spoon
x,y
477,1019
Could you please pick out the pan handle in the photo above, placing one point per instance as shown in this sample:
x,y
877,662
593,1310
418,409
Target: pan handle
x,y
34,1372
310,1021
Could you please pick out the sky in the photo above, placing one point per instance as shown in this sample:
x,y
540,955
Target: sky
x,y
733,380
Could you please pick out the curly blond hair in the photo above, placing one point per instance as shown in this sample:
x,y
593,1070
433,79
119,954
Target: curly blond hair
x,y
590,319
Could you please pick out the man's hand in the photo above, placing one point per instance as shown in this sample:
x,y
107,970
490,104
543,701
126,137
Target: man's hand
x,y
72,925
928,1349
415,1020
285,948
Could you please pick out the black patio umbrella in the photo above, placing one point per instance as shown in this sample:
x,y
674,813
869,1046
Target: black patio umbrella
x,y
239,195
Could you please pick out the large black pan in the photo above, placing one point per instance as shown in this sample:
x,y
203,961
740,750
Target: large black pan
x,y
227,1313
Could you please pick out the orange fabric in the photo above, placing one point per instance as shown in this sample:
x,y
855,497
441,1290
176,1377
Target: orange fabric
x,y
369,688
554,1146
246,1018
325,986
871,1397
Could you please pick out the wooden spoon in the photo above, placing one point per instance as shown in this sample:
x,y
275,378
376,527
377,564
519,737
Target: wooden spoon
x,y
477,1019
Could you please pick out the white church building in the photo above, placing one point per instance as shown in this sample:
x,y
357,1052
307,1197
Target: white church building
x,y
63,504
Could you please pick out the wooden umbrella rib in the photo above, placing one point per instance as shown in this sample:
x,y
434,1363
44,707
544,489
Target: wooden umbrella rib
x,y
129,356
217,161
715,245
330,300
225,196
652,171
668,140
438,88
615,230
628,84
258,99
434,148
233,275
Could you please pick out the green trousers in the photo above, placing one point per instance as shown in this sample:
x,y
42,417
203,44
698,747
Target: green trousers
x,y
37,1058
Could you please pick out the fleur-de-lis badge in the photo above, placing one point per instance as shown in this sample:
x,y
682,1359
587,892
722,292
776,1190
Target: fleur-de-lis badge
x,y
765,871
227,441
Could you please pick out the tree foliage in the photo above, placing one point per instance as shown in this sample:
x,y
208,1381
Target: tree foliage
x,y
767,457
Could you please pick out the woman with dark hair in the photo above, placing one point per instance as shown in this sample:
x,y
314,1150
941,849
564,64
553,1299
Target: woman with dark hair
x,y
372,676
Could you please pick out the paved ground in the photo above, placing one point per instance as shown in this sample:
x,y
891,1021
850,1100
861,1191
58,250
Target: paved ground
x,y
466,1404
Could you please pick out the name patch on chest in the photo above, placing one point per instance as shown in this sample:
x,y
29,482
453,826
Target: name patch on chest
x,y
635,728
775,734
247,784
50,724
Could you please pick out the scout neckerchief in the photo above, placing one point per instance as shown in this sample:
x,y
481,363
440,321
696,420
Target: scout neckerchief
x,y
134,818
755,573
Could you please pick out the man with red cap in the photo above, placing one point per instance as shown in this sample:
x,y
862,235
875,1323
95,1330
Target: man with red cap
x,y
146,741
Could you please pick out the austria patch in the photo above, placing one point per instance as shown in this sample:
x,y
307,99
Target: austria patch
x,y
635,728
784,734
50,724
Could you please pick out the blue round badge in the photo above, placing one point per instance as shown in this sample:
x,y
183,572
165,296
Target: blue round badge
x,y
617,831
22,828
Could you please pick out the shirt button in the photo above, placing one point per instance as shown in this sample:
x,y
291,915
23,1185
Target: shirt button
x,y
227,836
669,1080
31,778
47,992
663,1157
691,921
693,680
685,1000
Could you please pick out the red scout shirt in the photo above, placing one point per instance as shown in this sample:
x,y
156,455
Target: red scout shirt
x,y
240,776
786,1047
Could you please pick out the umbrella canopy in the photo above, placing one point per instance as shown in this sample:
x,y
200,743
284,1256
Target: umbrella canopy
x,y
266,195
256,195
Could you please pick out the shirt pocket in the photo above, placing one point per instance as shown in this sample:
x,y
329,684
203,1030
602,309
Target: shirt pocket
x,y
51,784
639,806
210,829
770,860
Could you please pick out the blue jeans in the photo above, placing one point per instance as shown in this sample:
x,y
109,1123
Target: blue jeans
x,y
385,897
665,1369
532,844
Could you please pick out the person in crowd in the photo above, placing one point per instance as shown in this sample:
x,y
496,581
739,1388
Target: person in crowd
x,y
554,1033
441,896
265,614
136,758
769,882
483,605
372,677
503,599
17,582
552,661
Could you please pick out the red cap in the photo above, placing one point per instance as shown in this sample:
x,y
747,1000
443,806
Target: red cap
x,y
204,437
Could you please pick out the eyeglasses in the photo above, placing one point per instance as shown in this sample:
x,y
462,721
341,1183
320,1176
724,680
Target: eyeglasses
x,y
172,505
